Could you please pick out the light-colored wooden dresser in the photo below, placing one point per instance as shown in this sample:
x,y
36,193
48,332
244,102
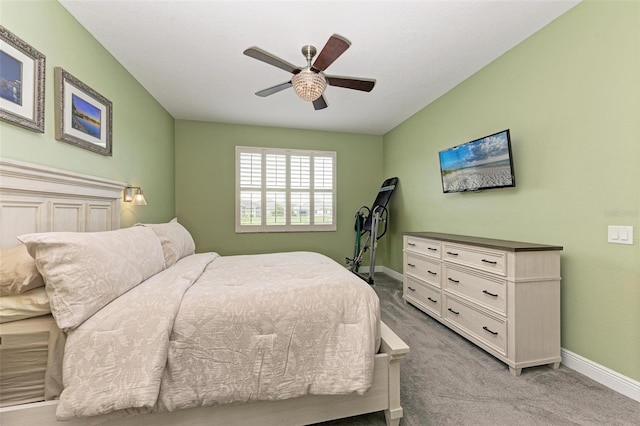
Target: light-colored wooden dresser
x,y
504,296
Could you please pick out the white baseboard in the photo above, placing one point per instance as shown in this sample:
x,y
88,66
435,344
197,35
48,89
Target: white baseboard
x,y
390,272
601,374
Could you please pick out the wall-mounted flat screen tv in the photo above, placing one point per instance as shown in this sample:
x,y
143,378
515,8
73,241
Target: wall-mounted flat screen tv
x,y
484,163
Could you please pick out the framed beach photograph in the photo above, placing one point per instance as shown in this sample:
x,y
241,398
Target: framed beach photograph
x,y
22,70
83,116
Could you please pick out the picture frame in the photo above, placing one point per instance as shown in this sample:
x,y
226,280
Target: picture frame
x,y
22,80
83,116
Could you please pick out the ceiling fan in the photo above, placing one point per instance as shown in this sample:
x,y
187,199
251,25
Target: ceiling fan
x,y
310,82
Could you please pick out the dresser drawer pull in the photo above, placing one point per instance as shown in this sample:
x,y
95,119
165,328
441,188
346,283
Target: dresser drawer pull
x,y
432,300
485,328
492,262
411,244
489,294
453,312
452,253
411,264
453,281
432,249
432,273
411,288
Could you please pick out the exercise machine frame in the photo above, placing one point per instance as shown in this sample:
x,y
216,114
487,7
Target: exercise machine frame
x,y
367,223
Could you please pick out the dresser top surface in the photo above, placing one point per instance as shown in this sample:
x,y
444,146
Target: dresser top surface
x,y
492,243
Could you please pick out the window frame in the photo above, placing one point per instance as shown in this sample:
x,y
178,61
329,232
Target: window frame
x,y
288,226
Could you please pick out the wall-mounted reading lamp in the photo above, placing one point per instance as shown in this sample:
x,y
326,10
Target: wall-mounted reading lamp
x,y
136,197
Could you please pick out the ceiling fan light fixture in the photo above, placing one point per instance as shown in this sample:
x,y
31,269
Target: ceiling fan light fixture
x,y
309,85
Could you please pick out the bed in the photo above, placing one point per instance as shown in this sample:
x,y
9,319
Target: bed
x,y
36,200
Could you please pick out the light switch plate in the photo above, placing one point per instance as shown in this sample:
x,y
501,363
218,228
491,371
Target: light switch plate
x,y
620,234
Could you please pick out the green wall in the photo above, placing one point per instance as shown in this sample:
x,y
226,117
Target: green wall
x,y
205,185
143,131
571,96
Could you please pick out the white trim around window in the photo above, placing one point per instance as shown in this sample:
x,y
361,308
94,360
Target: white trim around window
x,y
285,190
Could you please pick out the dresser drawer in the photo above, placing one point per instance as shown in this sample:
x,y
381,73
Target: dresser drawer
x,y
485,260
423,268
487,291
423,246
424,295
487,329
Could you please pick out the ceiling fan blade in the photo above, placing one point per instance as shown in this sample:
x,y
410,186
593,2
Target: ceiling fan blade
x,y
363,84
366,85
335,47
320,103
274,89
261,55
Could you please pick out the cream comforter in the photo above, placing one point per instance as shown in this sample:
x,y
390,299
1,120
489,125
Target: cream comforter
x,y
213,330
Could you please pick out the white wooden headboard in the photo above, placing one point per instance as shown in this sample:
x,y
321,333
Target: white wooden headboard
x,y
35,198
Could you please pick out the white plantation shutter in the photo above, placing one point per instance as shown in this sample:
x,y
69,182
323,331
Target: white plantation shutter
x,y
282,190
323,173
300,189
250,200
251,170
323,187
276,189
276,173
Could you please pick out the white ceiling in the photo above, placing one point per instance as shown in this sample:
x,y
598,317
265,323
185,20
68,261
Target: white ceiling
x,y
188,54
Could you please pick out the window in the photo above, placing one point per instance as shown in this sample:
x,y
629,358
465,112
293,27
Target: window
x,y
281,190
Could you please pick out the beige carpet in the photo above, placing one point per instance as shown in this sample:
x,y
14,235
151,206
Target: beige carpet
x,y
448,381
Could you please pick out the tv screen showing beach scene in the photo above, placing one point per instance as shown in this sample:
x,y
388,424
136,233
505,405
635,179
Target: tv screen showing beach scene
x,y
484,163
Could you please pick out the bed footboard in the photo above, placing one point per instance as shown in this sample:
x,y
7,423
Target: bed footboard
x,y
384,395
397,350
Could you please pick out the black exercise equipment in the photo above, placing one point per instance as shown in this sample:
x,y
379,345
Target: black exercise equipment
x,y
367,223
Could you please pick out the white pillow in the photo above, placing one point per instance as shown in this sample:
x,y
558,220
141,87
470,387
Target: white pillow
x,y
33,303
84,271
18,272
175,239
